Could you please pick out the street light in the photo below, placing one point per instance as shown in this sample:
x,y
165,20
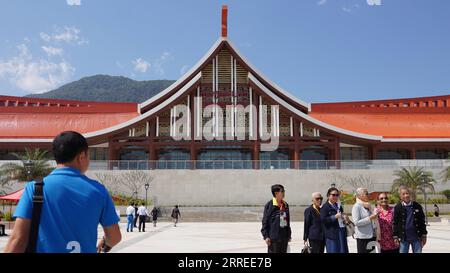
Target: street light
x,y
333,185
146,189
424,196
28,165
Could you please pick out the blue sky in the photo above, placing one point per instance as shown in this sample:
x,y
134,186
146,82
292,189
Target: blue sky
x,y
320,51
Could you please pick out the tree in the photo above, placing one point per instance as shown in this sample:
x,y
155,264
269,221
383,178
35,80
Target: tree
x,y
134,181
446,174
414,178
40,168
109,180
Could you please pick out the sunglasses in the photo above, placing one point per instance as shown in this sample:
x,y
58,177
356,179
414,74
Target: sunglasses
x,y
319,198
334,194
383,198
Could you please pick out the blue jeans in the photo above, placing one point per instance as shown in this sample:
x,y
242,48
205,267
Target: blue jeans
x,y
415,245
130,222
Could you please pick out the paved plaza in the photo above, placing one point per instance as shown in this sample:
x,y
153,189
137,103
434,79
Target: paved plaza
x,y
245,237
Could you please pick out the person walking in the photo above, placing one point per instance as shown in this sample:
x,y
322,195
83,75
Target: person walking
x,y
2,226
436,210
73,206
175,215
312,230
385,216
143,213
365,220
136,215
130,217
276,227
154,214
409,228
332,216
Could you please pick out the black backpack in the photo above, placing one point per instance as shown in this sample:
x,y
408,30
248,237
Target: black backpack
x,y
38,200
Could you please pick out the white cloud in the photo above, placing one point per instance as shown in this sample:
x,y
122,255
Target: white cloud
x,y
158,64
183,69
35,76
346,9
141,65
70,35
374,2
52,51
350,9
321,2
73,2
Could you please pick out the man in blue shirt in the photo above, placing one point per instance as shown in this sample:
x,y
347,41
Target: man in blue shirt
x,y
74,205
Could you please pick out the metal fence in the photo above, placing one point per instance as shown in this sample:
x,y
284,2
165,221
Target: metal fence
x,y
266,164
260,164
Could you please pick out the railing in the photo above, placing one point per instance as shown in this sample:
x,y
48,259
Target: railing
x,y
260,164
266,164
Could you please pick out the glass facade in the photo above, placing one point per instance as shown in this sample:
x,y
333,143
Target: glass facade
x,y
274,159
393,154
314,158
174,159
432,154
218,158
354,153
133,158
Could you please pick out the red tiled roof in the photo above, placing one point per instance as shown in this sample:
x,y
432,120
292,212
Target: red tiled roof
x,y
44,118
427,117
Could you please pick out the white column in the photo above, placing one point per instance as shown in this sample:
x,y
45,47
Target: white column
x,y
189,116
157,126
291,126
301,129
174,120
171,120
198,111
250,115
146,129
260,116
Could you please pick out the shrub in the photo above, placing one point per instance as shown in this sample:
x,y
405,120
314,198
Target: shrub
x,y
8,216
446,193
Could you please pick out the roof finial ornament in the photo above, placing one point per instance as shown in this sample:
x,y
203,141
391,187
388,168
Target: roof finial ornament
x,y
224,20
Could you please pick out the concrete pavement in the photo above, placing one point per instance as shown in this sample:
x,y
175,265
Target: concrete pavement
x,y
230,237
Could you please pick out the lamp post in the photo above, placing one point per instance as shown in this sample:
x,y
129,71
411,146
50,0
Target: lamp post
x,y
333,185
422,176
28,165
146,190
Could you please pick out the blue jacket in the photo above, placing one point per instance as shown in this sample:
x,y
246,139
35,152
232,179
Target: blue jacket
x,y
329,222
313,225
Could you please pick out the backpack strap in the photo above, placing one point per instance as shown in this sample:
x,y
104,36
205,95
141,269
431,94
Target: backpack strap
x,y
38,200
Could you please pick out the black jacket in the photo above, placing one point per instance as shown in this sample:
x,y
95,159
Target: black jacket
x,y
154,214
329,222
399,221
271,223
175,213
313,225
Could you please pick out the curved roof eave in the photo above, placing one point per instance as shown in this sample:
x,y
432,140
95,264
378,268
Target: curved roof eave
x,y
309,118
274,85
148,113
184,77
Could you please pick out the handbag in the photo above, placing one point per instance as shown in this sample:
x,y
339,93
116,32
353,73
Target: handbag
x,y
38,200
350,227
306,249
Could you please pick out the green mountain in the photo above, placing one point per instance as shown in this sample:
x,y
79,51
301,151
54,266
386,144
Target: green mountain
x,y
107,88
